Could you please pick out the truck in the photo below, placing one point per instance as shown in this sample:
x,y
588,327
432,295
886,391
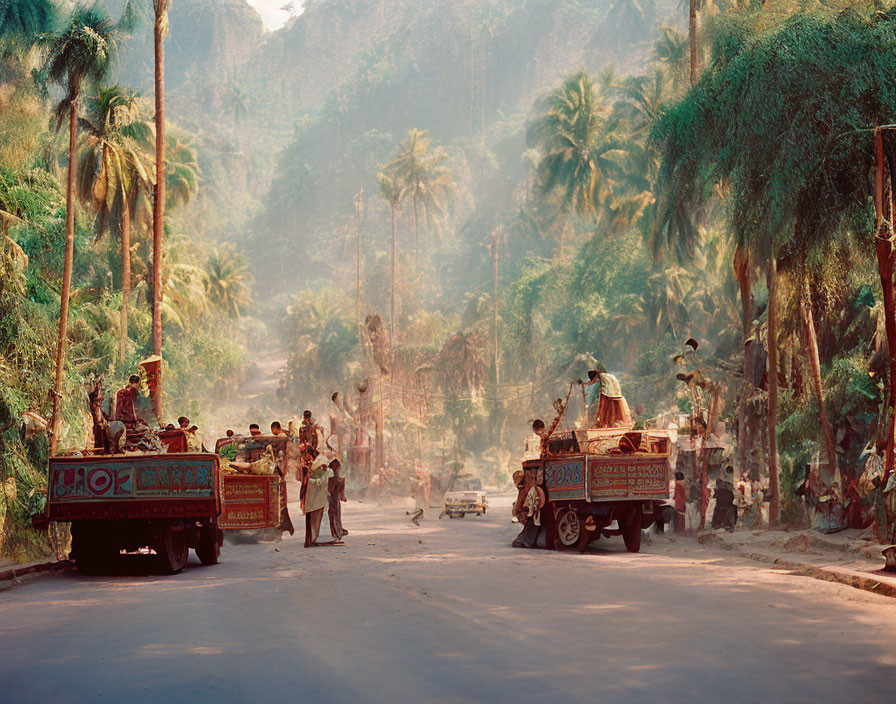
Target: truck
x,y
166,502
253,501
601,483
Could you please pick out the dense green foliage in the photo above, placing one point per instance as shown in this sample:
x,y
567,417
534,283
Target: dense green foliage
x,y
207,288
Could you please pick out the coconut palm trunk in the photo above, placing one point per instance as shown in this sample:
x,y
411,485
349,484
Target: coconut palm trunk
x,y
742,274
692,39
392,317
774,498
416,234
359,208
886,256
125,275
714,412
66,272
160,28
815,368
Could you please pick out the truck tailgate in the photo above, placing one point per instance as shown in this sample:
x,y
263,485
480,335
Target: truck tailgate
x,y
134,486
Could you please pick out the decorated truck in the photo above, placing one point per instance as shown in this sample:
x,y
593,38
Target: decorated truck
x,y
167,502
599,483
252,491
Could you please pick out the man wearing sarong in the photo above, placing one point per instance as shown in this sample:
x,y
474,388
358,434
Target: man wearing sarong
x,y
335,497
285,523
527,508
612,408
725,513
316,499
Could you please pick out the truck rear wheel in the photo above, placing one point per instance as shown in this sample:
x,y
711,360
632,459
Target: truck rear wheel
x,y
569,529
631,531
172,549
209,549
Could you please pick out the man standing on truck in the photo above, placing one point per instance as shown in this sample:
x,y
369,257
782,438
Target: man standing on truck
x,y
612,408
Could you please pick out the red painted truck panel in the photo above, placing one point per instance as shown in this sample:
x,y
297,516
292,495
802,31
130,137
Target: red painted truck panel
x,y
134,486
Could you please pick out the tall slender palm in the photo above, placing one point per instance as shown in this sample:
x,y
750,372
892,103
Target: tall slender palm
x,y
160,30
80,51
113,168
391,192
424,178
694,7
581,151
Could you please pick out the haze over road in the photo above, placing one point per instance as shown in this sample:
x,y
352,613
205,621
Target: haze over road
x,y
446,612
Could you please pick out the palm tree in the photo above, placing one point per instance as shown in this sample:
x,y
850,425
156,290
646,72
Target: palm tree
x,y
81,51
789,199
424,178
160,29
227,280
671,50
391,192
22,22
580,147
694,7
182,175
630,19
112,171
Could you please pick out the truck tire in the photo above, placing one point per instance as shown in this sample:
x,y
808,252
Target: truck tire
x,y
172,549
631,531
569,530
209,550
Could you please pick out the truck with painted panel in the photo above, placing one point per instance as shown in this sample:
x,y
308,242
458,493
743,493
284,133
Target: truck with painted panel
x,y
601,483
167,502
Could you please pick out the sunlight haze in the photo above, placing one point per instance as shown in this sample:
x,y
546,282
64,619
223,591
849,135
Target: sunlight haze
x,y
272,13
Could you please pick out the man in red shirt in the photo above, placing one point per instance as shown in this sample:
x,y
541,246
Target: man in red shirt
x,y
124,402
679,497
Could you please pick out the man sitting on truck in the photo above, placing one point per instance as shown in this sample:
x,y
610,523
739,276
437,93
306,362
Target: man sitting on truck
x,y
125,409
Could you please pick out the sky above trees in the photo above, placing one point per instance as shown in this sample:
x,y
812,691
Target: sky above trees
x,y
273,13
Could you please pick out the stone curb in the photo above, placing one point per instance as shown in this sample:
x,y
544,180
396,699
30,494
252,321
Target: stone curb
x,y
14,576
825,574
884,586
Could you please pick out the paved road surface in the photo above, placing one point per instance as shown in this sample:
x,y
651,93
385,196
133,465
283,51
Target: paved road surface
x,y
447,612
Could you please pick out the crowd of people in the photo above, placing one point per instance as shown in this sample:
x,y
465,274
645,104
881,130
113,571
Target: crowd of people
x,y
317,469
732,503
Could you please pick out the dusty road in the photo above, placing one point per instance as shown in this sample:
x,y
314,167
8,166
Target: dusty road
x,y
447,612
